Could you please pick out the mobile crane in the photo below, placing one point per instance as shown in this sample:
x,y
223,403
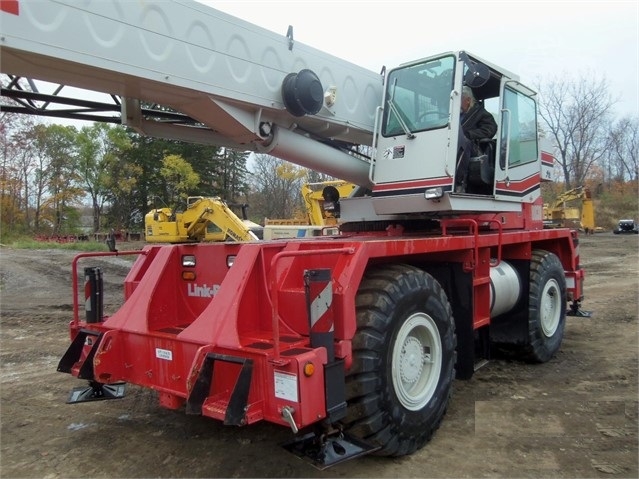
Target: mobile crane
x,y
351,341
163,225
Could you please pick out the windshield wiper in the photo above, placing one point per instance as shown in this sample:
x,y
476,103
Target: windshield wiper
x,y
409,134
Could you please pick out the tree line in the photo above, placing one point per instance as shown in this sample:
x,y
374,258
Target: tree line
x,y
50,172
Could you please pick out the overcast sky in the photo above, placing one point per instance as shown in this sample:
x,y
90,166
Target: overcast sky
x,y
537,40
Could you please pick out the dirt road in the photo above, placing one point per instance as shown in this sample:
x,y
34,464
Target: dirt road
x,y
574,417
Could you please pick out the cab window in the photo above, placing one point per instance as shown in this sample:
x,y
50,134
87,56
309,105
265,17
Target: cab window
x,y
418,97
518,129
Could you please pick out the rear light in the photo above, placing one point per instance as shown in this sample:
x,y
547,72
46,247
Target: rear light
x,y
309,369
188,275
188,261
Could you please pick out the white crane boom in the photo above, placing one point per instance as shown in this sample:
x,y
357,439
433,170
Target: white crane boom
x,y
219,70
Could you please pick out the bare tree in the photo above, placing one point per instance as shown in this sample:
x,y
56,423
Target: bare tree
x,y
623,159
577,117
26,162
276,186
39,177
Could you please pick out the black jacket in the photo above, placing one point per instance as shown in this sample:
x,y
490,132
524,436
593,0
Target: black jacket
x,y
477,123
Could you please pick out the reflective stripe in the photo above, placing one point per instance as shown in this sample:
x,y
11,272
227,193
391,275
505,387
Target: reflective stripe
x,y
320,305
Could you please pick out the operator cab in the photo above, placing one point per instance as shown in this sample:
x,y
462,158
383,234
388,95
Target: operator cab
x,y
417,139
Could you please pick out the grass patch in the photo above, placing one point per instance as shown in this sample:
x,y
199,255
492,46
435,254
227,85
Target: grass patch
x,y
29,243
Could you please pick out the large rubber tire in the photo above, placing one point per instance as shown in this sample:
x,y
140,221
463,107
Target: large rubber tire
x,y
546,306
400,382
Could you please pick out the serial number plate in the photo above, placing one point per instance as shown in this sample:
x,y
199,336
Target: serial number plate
x,y
163,354
286,386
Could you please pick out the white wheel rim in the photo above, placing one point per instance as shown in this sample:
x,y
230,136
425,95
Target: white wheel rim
x,y
550,308
416,361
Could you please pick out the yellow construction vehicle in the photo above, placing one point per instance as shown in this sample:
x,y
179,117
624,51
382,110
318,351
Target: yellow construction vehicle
x,y
205,219
560,215
321,202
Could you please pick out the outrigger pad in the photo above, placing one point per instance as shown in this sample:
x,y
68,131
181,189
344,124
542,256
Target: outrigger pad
x,y
325,453
97,392
580,313
575,310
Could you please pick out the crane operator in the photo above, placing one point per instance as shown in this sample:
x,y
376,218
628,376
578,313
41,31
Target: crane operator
x,y
476,124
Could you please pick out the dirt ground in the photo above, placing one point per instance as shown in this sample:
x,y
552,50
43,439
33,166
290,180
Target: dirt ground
x,y
573,417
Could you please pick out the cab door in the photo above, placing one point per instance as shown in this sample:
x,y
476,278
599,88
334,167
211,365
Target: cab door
x,y
517,166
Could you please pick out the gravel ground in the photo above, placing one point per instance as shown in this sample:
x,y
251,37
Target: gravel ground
x,y
573,417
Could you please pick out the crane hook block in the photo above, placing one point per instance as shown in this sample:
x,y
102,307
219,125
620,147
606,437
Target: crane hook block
x,y
302,93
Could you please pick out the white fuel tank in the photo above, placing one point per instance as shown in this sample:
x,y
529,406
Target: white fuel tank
x,y
505,288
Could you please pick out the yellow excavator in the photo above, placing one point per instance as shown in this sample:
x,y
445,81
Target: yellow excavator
x,y
321,202
205,219
560,215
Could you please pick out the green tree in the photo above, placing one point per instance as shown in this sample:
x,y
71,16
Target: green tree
x,y
204,160
122,185
147,155
99,147
62,179
231,179
180,179
10,185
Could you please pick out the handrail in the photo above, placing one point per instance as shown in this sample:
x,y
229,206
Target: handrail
x,y
474,230
273,285
499,238
506,112
376,126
